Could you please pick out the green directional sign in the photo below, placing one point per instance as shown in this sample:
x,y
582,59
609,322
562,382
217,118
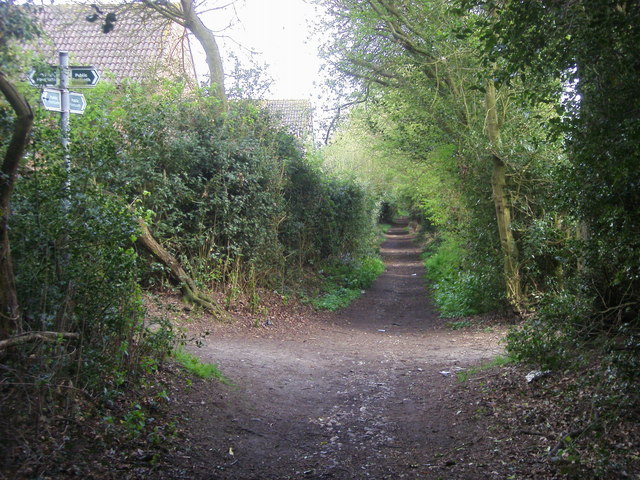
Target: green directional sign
x,y
84,77
44,77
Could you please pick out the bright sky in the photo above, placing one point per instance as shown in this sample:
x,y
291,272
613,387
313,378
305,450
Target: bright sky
x,y
279,31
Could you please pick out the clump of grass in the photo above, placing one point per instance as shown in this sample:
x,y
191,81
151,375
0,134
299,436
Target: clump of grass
x,y
195,366
459,325
344,281
336,299
499,361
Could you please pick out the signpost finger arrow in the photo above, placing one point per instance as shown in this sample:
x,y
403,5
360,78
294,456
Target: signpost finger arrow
x,y
80,77
52,100
77,103
44,77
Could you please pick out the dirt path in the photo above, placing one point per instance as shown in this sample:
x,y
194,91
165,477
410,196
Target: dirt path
x,y
357,394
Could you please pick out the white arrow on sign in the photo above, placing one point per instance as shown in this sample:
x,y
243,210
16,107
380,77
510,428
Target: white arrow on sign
x,y
84,76
52,100
45,77
77,103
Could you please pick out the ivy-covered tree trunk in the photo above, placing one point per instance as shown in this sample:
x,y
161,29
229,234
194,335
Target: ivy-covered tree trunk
x,y
10,320
501,201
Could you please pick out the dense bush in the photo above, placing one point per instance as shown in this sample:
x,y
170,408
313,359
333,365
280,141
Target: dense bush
x,y
329,216
211,187
77,271
233,198
582,251
222,195
458,289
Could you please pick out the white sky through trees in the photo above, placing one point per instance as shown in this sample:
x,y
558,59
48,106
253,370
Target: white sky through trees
x,y
279,32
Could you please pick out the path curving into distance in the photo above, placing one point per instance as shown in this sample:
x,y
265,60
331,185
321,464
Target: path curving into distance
x,y
355,394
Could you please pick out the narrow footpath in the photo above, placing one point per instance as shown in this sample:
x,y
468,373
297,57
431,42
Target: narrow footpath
x,y
363,393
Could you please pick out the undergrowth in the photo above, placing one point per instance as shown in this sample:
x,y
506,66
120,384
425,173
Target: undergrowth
x,y
457,290
586,426
459,325
344,281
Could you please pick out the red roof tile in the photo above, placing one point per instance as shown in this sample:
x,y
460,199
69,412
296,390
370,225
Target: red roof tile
x,y
143,45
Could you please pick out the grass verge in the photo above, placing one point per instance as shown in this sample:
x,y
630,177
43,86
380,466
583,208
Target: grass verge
x,y
195,366
499,361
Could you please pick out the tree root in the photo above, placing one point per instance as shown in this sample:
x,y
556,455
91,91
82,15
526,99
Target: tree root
x,y
200,299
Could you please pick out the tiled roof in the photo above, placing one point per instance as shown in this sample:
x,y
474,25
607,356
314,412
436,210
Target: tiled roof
x,y
294,114
142,45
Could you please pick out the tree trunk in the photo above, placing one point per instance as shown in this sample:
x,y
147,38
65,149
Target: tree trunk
x,y
583,235
184,14
208,41
10,318
191,293
501,202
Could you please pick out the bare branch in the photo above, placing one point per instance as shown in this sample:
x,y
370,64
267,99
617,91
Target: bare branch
x,y
169,11
339,109
361,76
49,337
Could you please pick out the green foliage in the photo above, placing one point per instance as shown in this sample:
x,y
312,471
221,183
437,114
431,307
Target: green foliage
x,y
235,202
16,24
214,196
551,338
77,271
459,325
581,253
329,217
459,291
135,420
343,281
196,367
358,274
384,227
499,361
336,299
